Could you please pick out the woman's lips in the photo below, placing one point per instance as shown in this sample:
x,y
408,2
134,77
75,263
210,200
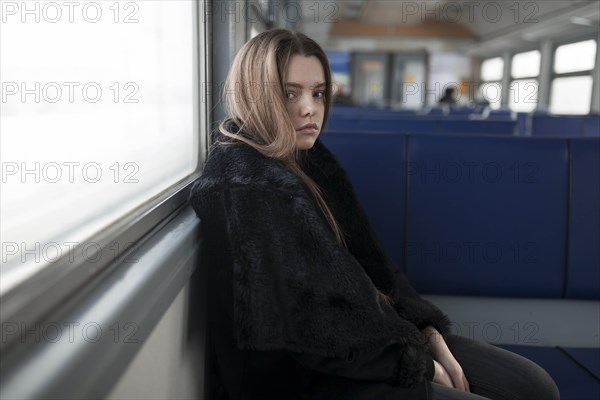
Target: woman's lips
x,y
308,129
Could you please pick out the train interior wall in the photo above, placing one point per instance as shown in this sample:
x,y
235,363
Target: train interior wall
x,y
170,364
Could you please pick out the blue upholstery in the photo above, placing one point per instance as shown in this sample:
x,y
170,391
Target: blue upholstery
x,y
592,126
522,124
373,162
499,122
565,125
466,111
385,122
503,112
495,216
588,358
347,123
439,125
398,125
583,279
487,215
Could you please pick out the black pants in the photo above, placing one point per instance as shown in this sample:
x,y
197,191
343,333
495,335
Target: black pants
x,y
495,373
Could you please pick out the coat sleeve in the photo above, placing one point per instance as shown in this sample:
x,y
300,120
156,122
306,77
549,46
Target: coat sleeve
x,y
388,277
378,365
296,289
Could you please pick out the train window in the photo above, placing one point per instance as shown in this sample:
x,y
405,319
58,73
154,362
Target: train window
x,y
492,71
572,95
98,118
526,65
523,95
571,90
523,92
575,57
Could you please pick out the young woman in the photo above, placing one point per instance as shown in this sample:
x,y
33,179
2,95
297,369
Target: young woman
x,y
303,303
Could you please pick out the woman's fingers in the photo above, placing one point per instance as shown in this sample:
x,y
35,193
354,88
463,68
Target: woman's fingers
x,y
458,377
447,363
441,375
456,373
466,382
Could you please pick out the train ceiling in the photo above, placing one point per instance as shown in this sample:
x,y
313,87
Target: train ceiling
x,y
489,25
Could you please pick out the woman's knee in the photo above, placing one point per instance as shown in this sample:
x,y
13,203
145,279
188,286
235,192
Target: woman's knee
x,y
538,384
500,374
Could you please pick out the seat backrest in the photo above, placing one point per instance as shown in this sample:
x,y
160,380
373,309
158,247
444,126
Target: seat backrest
x,y
482,215
583,279
486,215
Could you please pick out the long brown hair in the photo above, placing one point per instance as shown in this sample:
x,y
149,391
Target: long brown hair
x,y
255,100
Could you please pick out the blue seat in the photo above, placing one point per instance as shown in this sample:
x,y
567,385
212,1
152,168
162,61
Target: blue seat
x,y
374,163
462,111
583,280
592,126
565,125
501,126
522,124
486,215
543,124
346,122
414,124
386,122
503,113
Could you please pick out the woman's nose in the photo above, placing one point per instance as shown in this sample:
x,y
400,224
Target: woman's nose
x,y
306,106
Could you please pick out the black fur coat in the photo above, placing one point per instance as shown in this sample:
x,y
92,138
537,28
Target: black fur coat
x,y
294,288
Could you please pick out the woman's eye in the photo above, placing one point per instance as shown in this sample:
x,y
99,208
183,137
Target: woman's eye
x,y
319,95
290,95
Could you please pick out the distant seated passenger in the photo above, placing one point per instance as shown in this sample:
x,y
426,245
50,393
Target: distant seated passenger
x,y
449,97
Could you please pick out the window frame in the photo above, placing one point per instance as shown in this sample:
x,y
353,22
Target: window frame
x,y
512,56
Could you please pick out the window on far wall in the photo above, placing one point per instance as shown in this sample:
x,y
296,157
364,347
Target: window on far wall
x,y
571,90
523,90
491,76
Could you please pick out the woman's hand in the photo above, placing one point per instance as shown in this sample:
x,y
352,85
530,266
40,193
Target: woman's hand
x,y
441,375
448,371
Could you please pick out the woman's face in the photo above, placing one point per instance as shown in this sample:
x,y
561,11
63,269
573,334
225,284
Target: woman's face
x,y
305,93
